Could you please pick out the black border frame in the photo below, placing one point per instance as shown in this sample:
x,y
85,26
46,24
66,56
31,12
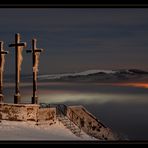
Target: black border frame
x,y
104,4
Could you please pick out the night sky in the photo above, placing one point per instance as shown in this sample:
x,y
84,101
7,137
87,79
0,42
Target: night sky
x,y
78,39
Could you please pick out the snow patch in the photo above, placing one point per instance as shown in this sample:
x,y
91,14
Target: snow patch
x,y
17,130
57,76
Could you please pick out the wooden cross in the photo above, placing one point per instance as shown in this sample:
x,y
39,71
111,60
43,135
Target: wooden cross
x,y
2,62
18,61
35,60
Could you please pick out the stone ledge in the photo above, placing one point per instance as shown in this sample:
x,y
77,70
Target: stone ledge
x,y
19,105
26,112
90,124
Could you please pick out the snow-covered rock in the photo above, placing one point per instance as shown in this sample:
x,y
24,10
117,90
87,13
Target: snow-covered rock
x,y
99,75
83,73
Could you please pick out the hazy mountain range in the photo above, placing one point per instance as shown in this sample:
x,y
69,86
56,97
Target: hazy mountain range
x,y
125,75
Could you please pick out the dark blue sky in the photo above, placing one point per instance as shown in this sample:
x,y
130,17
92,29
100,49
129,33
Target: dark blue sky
x,y
77,39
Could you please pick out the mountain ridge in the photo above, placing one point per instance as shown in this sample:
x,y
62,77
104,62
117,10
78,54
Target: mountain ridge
x,y
98,75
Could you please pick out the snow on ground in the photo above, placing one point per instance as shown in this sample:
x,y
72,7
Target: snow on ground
x,y
18,130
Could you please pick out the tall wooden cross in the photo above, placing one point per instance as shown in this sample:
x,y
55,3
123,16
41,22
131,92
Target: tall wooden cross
x,y
2,62
35,60
18,61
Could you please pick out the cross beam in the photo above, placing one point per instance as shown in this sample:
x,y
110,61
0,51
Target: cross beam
x,y
2,62
35,60
18,61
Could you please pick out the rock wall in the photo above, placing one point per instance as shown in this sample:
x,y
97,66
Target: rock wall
x,y
27,112
47,114
32,112
89,124
18,112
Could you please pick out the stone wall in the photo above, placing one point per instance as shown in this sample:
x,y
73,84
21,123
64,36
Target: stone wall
x,y
90,124
27,112
18,112
47,114
32,112
78,114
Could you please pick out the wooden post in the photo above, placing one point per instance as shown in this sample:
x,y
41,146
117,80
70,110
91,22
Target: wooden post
x,y
2,62
18,61
35,61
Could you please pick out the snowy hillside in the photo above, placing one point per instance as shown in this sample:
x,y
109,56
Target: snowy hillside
x,y
99,75
17,130
84,73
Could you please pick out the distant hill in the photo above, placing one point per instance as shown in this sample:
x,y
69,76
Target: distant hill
x,y
99,76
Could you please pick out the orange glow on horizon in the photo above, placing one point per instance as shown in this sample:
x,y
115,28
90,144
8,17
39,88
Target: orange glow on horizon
x,y
143,85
